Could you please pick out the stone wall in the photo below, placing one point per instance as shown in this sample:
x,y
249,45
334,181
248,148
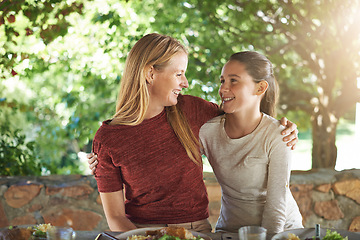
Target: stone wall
x,y
327,197
59,199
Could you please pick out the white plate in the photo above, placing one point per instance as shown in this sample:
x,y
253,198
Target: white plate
x,y
142,231
303,233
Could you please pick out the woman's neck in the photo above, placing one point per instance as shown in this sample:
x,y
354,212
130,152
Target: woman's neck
x,y
153,110
238,125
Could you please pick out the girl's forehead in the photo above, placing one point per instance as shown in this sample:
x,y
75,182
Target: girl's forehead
x,y
233,65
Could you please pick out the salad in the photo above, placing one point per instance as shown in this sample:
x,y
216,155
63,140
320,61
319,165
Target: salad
x,y
167,233
330,235
39,231
165,237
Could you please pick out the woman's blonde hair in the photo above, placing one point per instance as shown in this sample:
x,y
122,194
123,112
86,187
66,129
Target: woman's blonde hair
x,y
133,100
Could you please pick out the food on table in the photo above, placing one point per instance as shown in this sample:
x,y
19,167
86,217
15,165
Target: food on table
x,y
330,235
15,233
292,236
29,233
333,235
166,233
40,230
139,237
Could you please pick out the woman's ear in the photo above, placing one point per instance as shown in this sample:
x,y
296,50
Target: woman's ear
x,y
149,74
261,87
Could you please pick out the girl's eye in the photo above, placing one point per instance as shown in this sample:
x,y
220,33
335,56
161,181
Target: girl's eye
x,y
179,74
233,80
222,81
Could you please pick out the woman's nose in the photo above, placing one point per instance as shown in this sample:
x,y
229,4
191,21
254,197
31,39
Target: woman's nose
x,y
184,82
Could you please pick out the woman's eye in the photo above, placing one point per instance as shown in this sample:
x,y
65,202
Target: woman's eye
x,y
179,74
233,80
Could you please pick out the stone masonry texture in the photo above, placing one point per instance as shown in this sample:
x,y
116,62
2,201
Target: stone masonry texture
x,y
327,197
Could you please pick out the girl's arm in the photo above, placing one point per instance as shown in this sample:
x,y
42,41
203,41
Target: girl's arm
x,y
279,169
114,208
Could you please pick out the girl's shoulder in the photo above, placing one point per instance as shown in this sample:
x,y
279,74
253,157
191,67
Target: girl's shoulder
x,y
271,128
271,122
212,126
214,121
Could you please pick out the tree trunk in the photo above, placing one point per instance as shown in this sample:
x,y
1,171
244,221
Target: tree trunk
x,y
324,150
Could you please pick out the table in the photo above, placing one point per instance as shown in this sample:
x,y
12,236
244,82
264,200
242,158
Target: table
x,y
91,235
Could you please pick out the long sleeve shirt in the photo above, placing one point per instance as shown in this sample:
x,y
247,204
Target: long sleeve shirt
x,y
162,184
254,173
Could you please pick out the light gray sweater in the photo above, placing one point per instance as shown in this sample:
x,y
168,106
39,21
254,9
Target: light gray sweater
x,y
254,173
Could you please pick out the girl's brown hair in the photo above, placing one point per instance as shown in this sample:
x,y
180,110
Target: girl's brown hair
x,y
133,100
260,69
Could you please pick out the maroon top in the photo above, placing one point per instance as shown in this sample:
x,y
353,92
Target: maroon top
x,y
162,184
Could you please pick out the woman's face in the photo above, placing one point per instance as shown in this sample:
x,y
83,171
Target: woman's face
x,y
237,90
168,82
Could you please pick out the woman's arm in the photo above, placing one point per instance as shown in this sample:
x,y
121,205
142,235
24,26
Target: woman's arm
x,y
290,132
114,208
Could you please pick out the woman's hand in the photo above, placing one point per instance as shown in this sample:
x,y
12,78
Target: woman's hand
x,y
290,132
92,160
114,208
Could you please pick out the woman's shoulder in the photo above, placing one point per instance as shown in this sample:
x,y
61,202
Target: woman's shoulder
x,y
195,101
105,129
197,110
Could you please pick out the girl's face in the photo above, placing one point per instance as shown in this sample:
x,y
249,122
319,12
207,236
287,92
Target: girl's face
x,y
166,84
238,91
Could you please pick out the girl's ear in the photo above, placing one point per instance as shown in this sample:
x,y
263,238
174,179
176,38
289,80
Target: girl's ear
x,y
149,74
261,87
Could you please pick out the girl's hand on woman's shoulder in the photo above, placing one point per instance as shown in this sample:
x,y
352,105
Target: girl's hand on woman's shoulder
x,y
92,160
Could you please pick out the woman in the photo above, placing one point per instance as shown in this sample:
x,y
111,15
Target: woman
x,y
151,145
250,161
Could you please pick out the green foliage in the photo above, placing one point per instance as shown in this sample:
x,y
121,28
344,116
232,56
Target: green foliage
x,y
26,29
62,61
17,156
24,23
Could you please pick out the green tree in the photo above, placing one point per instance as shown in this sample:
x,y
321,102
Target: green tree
x,y
315,46
18,155
26,28
69,80
66,58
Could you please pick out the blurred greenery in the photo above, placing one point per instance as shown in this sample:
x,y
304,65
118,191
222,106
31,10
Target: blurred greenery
x,y
19,156
62,62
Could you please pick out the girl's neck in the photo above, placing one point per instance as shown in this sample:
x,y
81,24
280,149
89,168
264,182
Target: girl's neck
x,y
238,125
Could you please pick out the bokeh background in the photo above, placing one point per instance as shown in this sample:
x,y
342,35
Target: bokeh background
x,y
61,64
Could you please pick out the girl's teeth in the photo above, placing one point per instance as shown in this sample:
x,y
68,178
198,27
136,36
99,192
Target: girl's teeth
x,y
227,99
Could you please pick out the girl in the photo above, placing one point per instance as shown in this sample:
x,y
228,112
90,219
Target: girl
x,y
246,152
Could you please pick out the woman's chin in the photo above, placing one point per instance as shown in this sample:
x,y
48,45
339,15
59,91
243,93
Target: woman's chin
x,y
172,102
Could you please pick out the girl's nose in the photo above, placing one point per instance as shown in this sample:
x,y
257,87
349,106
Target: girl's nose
x,y
223,88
